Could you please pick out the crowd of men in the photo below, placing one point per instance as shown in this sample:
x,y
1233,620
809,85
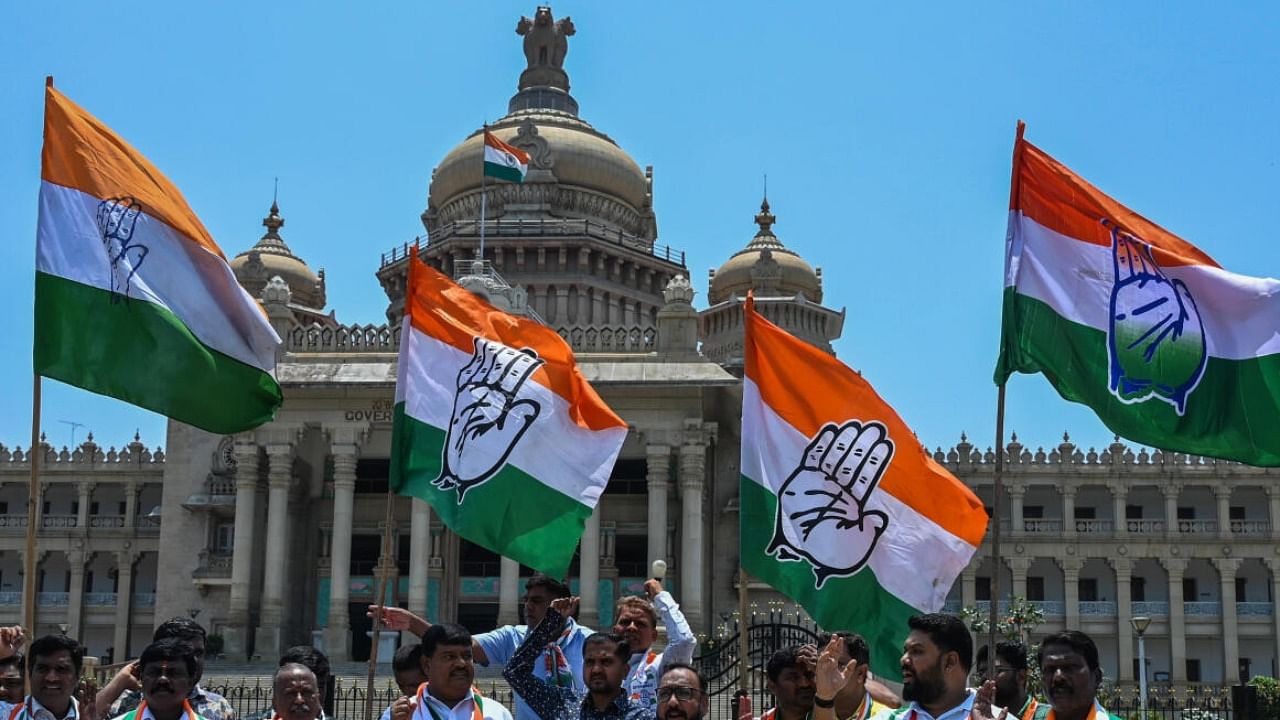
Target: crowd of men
x,y
559,670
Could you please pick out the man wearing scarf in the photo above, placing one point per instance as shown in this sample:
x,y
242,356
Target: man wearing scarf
x,y
448,693
167,670
1071,675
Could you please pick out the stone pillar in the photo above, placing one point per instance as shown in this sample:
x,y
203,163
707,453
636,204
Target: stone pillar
x,y
75,599
508,592
969,587
693,458
1273,499
337,632
1177,624
1016,495
562,305
589,571
1227,568
82,514
1119,501
1223,495
1171,492
124,602
1018,567
279,475
658,474
131,505
419,559
1071,590
1273,564
1123,568
242,551
1068,511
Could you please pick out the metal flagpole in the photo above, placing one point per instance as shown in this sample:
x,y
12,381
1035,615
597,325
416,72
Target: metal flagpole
x,y
484,194
385,561
33,517
744,646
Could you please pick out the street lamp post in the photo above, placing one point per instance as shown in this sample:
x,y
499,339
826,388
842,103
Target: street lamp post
x,y
1140,625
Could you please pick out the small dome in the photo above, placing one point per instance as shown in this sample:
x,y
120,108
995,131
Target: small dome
x,y
271,257
571,150
767,266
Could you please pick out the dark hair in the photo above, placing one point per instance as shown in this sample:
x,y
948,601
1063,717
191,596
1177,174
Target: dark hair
x,y
315,660
1011,651
948,633
553,586
16,660
785,658
673,666
169,648
444,634
408,657
857,645
50,644
289,667
621,648
1077,641
182,628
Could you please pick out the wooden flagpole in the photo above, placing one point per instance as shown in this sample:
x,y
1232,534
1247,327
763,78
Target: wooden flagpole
x,y
33,516
385,561
997,482
744,646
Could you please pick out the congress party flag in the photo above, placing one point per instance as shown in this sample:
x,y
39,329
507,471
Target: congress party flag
x,y
1167,347
842,509
133,297
495,426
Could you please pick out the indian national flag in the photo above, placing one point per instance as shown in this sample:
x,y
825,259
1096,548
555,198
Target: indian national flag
x,y
842,509
1168,348
495,426
133,298
504,161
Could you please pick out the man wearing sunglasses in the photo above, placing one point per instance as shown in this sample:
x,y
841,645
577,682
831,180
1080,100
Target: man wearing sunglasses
x,y
682,693
1009,672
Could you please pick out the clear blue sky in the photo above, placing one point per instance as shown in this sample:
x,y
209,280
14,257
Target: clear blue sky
x,y
885,130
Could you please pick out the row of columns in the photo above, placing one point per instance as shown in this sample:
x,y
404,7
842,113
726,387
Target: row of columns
x,y
1119,497
126,560
1123,567
424,549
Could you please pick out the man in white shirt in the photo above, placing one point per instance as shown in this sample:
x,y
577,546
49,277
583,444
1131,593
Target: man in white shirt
x,y
295,694
54,667
936,658
448,663
638,621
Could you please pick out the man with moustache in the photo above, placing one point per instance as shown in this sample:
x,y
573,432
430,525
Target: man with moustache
x,y
1071,675
13,679
167,671
1009,673
789,675
682,693
126,684
638,620
295,694
936,658
447,695
604,667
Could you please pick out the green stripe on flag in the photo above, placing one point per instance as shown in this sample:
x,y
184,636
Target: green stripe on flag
x,y
503,172
847,604
512,513
141,353
1233,413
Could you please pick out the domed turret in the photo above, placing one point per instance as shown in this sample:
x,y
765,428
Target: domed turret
x,y
270,258
767,266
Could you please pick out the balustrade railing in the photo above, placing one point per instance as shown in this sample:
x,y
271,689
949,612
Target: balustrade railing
x,y
1250,527
1198,527
1255,609
58,521
1150,608
1095,526
10,598
1201,609
1051,608
1105,608
144,600
53,599
1042,526
100,599
106,521
1145,527
344,338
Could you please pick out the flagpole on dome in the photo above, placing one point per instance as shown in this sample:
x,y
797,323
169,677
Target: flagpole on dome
x,y
484,177
997,480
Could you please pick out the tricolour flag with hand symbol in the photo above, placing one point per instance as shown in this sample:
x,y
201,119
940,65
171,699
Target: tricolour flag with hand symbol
x,y
843,510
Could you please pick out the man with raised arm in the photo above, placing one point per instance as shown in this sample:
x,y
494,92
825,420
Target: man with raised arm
x,y
604,666
638,620
561,662
840,681
1009,673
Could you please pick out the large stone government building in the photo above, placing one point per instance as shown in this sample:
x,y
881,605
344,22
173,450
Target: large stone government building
x,y
234,530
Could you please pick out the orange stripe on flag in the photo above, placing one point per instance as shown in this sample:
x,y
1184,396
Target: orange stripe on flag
x,y
446,311
809,388
1048,192
492,141
81,152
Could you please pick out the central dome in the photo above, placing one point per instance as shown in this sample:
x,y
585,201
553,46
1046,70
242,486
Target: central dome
x,y
575,171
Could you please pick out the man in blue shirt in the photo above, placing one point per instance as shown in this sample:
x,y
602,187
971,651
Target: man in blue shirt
x,y
936,659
